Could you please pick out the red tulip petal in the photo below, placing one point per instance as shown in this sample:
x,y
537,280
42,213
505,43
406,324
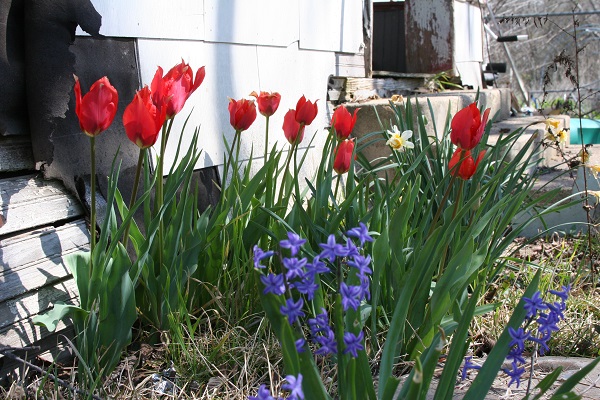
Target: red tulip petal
x,y
199,79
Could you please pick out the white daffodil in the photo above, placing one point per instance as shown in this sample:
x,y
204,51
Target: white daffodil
x,y
399,141
562,136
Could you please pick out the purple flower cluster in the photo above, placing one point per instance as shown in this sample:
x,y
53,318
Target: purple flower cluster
x,y
300,275
294,386
322,334
547,315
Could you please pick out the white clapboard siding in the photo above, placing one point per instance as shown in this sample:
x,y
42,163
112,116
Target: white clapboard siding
x,y
331,25
350,64
259,22
30,201
234,71
178,19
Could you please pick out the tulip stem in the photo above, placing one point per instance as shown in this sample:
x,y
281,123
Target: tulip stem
x,y
286,172
238,135
267,139
458,197
339,337
296,173
136,182
337,186
167,134
441,205
93,199
158,202
228,162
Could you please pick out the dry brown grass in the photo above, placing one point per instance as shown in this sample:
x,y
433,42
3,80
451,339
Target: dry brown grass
x,y
563,261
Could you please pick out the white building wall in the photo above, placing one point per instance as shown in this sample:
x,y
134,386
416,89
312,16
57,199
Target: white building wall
x,y
468,43
288,46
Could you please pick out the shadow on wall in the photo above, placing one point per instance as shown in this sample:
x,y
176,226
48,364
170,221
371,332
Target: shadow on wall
x,y
13,109
52,56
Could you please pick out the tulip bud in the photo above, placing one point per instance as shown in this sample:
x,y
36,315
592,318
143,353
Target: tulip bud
x,y
468,127
293,131
306,111
96,110
242,114
343,156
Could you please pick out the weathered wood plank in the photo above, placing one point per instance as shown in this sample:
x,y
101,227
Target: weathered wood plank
x,y
32,303
52,348
15,153
360,89
32,248
25,333
31,261
29,201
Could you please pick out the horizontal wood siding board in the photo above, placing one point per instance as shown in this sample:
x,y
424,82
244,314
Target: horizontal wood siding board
x,y
53,347
181,19
25,333
24,307
253,22
41,247
350,64
331,25
28,202
15,153
32,278
387,84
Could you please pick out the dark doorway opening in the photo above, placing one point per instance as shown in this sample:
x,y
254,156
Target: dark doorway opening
x,y
389,49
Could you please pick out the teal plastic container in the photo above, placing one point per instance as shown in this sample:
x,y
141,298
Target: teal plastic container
x,y
591,131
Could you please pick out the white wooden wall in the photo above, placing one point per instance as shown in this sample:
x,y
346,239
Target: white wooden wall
x,y
286,46
468,39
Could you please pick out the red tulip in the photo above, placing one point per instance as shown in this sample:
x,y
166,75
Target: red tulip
x,y
97,109
343,122
293,131
306,111
343,156
462,164
468,126
175,87
242,114
143,119
267,102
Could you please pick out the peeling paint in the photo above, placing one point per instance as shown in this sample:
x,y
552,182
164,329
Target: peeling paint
x,y
430,36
